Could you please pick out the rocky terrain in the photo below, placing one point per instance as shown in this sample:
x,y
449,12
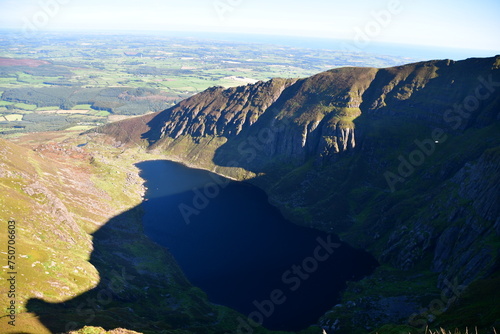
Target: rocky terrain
x,y
403,162
80,255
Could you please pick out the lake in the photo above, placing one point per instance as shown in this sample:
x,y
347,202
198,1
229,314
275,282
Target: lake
x,y
239,249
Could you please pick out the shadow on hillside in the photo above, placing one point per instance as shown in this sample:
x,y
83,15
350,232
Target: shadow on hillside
x,y
274,137
134,296
128,294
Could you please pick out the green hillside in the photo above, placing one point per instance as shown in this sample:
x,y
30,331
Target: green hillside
x,y
403,162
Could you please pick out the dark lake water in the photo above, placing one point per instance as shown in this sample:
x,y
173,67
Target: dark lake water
x,y
241,251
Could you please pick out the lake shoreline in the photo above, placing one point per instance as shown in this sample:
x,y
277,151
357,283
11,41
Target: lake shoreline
x,y
234,234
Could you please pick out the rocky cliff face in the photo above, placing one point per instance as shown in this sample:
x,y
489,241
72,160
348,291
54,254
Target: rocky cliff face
x,y
218,111
319,114
475,207
403,161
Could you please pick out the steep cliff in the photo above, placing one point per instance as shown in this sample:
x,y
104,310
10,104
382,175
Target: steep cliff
x,y
318,113
218,111
402,161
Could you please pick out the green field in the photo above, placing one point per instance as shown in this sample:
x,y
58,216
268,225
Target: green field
x,y
83,107
128,75
25,106
14,117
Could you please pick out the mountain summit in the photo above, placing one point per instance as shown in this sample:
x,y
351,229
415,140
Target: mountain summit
x,y
320,113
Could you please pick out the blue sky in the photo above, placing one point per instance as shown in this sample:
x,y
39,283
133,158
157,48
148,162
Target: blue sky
x,y
445,23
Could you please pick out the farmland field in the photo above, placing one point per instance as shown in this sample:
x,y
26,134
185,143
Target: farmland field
x,y
59,80
12,117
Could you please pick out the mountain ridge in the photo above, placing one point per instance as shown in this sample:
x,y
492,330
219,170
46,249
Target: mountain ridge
x,y
322,148
325,151
321,108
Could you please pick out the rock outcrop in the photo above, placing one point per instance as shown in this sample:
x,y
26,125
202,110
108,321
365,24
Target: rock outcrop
x,y
320,114
403,161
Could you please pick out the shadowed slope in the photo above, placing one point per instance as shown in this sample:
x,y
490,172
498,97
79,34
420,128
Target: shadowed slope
x,y
140,288
400,161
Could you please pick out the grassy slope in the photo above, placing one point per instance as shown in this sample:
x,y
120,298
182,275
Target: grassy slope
x,y
333,196
78,230
58,201
350,195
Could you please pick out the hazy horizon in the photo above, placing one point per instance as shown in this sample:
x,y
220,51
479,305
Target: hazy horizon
x,y
412,52
362,23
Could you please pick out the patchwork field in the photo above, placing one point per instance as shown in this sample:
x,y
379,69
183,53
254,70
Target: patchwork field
x,y
62,80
